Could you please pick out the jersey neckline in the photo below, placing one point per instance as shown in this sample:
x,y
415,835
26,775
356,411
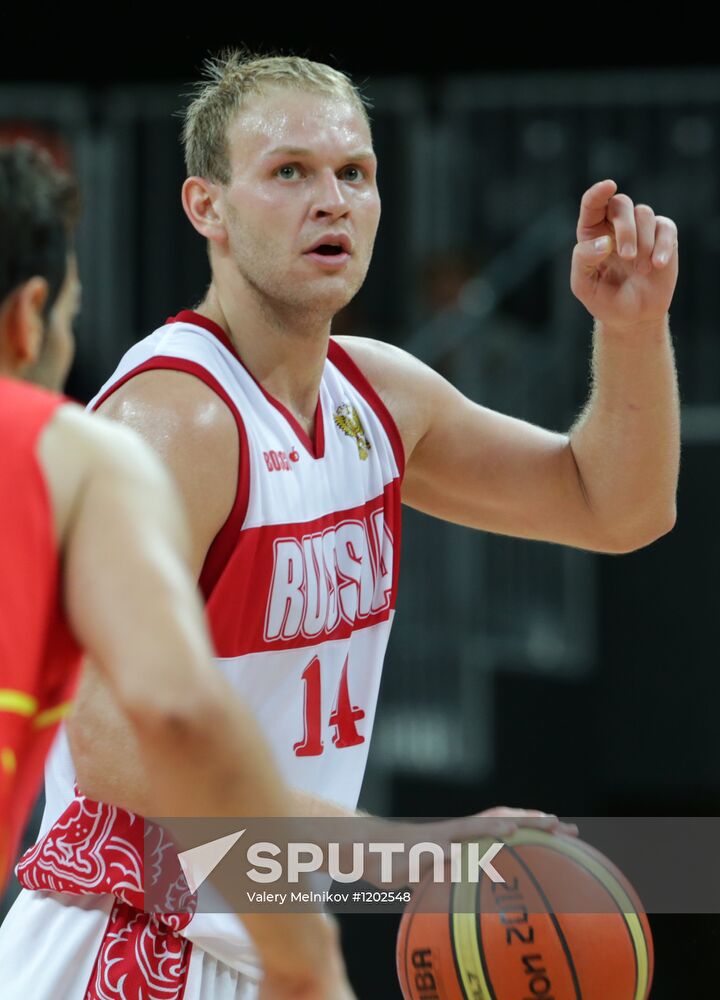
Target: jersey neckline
x,y
315,450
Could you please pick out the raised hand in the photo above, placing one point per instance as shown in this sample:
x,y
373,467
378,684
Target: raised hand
x,y
625,263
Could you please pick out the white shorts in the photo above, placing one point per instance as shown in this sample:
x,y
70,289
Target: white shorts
x,y
49,943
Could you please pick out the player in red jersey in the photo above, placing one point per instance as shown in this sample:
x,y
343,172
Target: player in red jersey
x,y
93,547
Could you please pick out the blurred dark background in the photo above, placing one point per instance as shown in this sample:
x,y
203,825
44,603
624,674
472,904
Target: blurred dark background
x,y
518,673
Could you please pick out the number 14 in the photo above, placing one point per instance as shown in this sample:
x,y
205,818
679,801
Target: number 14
x,y
343,716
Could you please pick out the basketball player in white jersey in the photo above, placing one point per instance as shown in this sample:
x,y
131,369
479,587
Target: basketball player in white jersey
x,y
293,450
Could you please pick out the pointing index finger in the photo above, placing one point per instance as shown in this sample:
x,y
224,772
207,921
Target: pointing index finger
x,y
593,208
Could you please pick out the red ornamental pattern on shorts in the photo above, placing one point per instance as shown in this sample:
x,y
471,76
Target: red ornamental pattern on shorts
x,y
95,848
139,959
91,848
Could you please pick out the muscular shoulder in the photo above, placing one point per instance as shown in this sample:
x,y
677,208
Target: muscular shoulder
x,y
406,385
194,432
165,406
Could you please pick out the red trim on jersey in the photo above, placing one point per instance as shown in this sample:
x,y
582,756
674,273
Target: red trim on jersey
x,y
196,319
345,364
316,450
226,540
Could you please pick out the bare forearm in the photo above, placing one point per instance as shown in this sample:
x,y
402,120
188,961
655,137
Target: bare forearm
x,y
156,759
626,444
212,761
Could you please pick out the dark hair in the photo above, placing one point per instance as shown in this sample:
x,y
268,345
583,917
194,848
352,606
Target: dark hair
x,y
39,205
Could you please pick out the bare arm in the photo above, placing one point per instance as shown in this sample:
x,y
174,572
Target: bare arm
x,y
132,604
195,435
627,441
609,483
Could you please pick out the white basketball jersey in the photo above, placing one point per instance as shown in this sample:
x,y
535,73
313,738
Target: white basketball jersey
x,y
300,583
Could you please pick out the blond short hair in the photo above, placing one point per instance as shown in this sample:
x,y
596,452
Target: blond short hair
x,y
229,81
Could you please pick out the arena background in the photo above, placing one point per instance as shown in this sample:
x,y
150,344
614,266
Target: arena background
x,y
518,673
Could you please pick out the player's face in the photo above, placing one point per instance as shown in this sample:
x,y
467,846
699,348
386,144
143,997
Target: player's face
x,y
58,347
303,178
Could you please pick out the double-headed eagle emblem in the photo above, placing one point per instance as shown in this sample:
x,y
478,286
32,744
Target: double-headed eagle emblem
x,y
348,420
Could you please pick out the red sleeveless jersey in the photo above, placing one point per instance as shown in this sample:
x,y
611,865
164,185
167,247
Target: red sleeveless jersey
x,y
39,659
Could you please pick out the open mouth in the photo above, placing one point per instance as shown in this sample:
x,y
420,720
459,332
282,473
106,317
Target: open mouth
x,y
331,254
334,247
328,249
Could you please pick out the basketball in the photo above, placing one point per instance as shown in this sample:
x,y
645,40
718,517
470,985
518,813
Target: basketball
x,y
565,924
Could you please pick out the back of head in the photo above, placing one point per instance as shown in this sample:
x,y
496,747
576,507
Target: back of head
x,y
38,208
231,81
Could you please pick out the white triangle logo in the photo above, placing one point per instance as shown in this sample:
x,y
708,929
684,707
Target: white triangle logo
x,y
199,862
